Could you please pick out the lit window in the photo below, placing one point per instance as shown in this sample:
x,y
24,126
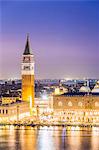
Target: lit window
x,y
96,104
60,104
70,103
80,104
3,111
6,111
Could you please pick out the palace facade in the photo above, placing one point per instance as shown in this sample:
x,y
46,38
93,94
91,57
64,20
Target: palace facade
x,y
77,107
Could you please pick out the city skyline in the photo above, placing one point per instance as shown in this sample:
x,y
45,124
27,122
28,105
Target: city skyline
x,y
63,37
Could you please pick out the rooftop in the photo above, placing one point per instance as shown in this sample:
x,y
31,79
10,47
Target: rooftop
x,y
27,47
13,103
80,94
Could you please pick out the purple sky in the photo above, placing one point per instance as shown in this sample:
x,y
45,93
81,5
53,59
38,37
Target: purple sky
x,y
64,38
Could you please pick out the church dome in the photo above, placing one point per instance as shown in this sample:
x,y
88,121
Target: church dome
x,y
96,88
84,89
98,82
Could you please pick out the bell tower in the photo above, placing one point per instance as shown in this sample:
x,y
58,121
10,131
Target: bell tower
x,y
28,75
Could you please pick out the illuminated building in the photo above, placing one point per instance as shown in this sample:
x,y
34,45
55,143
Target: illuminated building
x,y
28,75
8,100
14,111
45,104
77,107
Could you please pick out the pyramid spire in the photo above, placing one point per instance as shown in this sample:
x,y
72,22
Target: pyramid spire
x,y
27,47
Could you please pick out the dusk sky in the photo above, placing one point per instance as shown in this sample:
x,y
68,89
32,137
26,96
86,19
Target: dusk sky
x,y
64,37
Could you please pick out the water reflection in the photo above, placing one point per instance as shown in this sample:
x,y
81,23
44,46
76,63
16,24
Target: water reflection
x,y
95,138
49,138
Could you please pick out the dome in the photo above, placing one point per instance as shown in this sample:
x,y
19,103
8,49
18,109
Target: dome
x,y
96,88
84,89
98,82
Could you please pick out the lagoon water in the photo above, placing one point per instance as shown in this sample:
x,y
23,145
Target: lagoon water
x,y
49,138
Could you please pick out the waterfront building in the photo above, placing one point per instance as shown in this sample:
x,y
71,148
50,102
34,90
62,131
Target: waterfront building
x,y
14,111
28,75
77,107
44,103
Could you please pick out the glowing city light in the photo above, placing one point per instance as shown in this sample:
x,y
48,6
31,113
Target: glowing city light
x,y
44,97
